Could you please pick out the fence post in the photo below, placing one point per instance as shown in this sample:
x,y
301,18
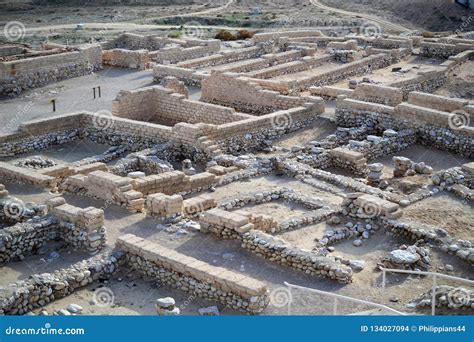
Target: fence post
x,y
383,285
433,297
290,296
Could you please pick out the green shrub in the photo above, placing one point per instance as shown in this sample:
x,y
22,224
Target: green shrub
x,y
175,34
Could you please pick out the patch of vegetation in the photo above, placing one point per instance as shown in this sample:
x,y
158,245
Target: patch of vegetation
x,y
428,34
175,34
228,36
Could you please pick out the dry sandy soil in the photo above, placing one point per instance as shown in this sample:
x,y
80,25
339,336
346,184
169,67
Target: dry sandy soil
x,y
432,15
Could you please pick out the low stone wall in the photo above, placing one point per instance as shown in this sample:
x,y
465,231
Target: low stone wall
x,y
261,37
356,68
256,65
195,205
267,223
27,176
376,93
443,49
136,59
282,253
40,289
179,271
108,187
347,159
237,226
227,57
456,300
240,93
132,41
305,63
17,76
162,105
80,228
178,54
425,81
365,206
14,210
440,103
414,231
249,134
26,238
187,76
164,206
426,123
173,182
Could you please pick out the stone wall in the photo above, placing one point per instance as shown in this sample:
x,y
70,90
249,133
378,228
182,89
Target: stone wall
x,y
80,228
237,226
250,134
284,254
25,238
199,140
427,123
162,105
179,271
27,176
174,182
108,187
367,92
227,57
19,75
132,41
240,93
440,103
305,63
415,231
133,59
40,289
261,37
443,49
378,94
358,67
178,54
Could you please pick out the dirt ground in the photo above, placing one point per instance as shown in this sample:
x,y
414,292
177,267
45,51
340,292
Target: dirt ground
x,y
445,211
460,82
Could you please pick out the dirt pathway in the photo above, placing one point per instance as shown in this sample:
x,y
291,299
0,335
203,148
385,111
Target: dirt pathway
x,y
383,23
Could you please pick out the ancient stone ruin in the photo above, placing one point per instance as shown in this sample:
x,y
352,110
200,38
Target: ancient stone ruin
x,y
301,157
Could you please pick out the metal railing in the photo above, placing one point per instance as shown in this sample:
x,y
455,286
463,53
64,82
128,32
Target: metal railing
x,y
433,290
337,298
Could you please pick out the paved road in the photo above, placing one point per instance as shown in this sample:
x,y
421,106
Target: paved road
x,y
383,23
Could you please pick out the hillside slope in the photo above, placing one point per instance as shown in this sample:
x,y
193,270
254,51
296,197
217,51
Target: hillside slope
x,y
431,15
